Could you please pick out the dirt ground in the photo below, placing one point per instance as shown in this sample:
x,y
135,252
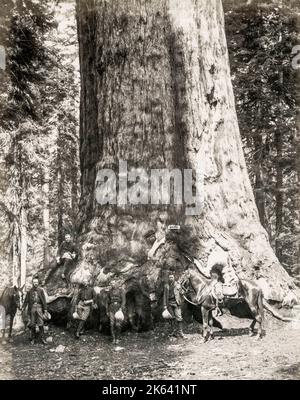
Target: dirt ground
x,y
154,355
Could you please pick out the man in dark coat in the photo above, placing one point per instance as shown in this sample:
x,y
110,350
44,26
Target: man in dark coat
x,y
85,301
116,302
35,300
66,254
172,301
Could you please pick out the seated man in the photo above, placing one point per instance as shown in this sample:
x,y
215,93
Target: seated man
x,y
227,276
66,254
217,290
219,264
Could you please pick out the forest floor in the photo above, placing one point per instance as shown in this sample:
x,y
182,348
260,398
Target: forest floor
x,y
153,355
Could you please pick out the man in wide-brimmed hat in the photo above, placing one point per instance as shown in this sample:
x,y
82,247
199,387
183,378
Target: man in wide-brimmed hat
x,y
115,308
66,255
172,301
35,300
84,303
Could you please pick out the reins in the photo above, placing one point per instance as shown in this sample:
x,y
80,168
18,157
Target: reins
x,y
199,291
189,301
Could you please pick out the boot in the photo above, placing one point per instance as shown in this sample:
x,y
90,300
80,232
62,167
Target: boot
x,y
42,333
117,335
113,337
82,330
219,311
32,336
79,328
173,328
180,331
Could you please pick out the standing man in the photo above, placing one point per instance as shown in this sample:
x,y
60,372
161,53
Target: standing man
x,y
116,302
84,304
36,301
172,302
66,254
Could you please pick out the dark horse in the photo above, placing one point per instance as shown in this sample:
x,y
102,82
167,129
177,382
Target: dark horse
x,y
10,299
202,294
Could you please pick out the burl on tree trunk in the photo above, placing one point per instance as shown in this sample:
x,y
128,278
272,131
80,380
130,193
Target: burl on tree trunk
x,y
156,92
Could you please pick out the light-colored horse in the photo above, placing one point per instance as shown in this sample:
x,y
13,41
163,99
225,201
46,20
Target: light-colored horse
x,y
201,294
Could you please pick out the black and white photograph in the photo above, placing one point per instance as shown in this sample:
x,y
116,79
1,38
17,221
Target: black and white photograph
x,y
149,192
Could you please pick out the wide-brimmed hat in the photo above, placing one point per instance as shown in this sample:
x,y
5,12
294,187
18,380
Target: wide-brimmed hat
x,y
75,315
166,314
46,316
119,316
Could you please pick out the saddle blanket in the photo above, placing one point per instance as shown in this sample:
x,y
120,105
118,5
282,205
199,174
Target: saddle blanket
x,y
230,290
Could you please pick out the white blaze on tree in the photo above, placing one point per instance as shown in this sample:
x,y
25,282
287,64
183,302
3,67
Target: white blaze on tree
x,y
156,91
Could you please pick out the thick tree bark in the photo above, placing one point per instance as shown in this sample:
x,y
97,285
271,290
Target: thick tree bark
x,y
74,186
279,193
259,181
156,92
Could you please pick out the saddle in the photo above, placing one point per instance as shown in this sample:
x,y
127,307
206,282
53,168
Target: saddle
x,y
228,279
223,291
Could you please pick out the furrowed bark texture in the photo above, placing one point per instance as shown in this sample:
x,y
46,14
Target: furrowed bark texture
x,y
156,92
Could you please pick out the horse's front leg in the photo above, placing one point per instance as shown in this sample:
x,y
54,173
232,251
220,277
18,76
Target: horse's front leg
x,y
10,328
210,322
205,321
3,336
251,327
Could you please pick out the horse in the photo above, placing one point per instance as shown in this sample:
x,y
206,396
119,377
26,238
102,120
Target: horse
x,y
202,294
11,300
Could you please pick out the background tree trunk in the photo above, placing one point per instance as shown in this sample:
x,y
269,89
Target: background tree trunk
x,y
60,189
23,246
156,92
297,158
46,217
279,193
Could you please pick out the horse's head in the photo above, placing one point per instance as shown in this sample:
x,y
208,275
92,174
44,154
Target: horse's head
x,y
17,296
196,280
195,284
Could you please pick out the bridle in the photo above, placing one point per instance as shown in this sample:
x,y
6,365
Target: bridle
x,y
197,293
15,296
184,288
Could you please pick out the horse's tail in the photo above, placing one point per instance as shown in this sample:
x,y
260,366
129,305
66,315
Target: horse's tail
x,y
275,314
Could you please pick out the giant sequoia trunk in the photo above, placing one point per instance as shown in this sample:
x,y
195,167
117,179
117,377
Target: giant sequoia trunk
x,y
156,92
